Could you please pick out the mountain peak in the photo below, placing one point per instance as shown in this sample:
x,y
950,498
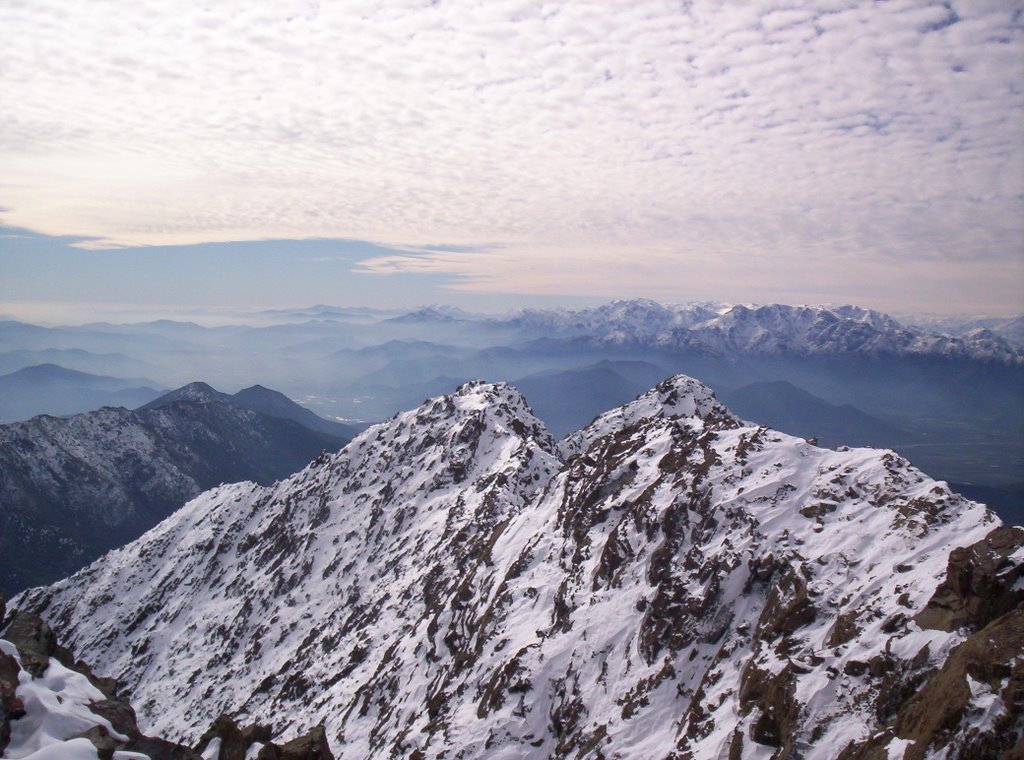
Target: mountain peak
x,y
195,392
680,398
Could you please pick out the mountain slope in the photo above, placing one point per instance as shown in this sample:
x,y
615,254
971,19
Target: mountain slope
x,y
275,404
73,488
681,585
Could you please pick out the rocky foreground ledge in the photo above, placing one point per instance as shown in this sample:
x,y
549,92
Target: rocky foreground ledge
x,y
54,706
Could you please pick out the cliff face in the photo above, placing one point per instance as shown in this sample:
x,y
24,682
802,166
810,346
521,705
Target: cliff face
x,y
669,582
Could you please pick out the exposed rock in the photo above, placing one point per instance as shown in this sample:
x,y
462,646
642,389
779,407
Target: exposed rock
x,y
120,714
970,709
234,741
34,639
104,743
310,746
10,705
981,583
788,608
774,697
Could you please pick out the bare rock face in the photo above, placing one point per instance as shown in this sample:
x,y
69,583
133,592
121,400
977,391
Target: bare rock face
x,y
10,705
970,708
34,640
982,583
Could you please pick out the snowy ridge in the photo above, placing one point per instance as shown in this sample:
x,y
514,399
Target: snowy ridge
x,y
720,329
684,585
680,398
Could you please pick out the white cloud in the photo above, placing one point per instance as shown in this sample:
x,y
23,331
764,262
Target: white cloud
x,y
659,146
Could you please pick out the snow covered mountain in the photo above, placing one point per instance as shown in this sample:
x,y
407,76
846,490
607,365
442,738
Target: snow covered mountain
x,y
719,329
670,582
71,489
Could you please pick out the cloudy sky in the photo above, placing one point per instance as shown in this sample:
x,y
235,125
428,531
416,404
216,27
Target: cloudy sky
x,y
285,153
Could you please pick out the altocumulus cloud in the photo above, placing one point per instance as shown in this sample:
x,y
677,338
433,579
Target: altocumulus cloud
x,y
682,149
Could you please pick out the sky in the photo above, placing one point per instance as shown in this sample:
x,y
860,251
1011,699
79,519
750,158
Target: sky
x,y
226,155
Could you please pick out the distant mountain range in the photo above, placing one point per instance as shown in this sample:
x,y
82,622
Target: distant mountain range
x,y
50,389
783,406
73,488
947,392
774,329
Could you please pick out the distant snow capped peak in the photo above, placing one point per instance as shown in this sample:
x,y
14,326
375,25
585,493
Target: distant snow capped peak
x,y
763,329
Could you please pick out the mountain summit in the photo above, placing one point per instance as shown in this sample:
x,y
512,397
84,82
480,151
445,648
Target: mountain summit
x,y
669,582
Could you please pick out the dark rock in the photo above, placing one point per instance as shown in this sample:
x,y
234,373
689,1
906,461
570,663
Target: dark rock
x,y
855,668
787,609
11,708
775,697
309,746
160,749
17,708
234,740
34,639
104,743
979,585
845,629
819,509
120,714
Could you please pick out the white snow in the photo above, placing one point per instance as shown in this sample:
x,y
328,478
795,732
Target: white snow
x,y
56,711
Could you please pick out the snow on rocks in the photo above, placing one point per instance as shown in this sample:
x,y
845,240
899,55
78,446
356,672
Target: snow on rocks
x,y
56,713
676,583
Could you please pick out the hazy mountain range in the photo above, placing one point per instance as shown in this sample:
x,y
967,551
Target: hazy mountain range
x,y
949,397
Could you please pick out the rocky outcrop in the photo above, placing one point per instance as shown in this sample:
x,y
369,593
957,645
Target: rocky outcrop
x,y
10,705
969,709
232,742
983,581
115,726
34,640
